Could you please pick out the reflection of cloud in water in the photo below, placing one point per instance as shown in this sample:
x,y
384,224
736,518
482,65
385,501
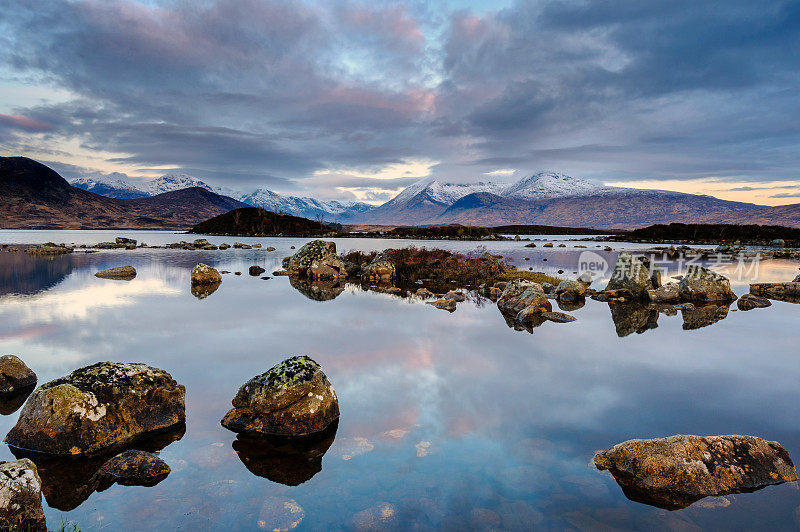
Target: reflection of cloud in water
x,y
80,303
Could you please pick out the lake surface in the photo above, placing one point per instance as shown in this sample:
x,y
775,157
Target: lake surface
x,y
448,421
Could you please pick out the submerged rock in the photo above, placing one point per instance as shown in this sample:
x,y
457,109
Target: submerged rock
x,y
204,274
98,407
701,285
15,375
750,301
674,472
632,274
293,398
122,273
317,259
21,497
135,468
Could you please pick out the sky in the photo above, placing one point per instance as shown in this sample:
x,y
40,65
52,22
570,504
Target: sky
x,y
356,100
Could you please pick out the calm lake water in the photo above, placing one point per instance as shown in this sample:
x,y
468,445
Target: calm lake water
x,y
448,421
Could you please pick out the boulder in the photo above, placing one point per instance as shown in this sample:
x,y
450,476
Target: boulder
x,y
256,270
444,304
558,317
200,243
548,245
750,301
21,497
122,273
317,259
424,293
293,398
570,290
98,408
701,285
632,274
381,269
204,274
135,468
15,375
667,293
48,249
674,472
780,291
519,294
122,241
455,295
585,278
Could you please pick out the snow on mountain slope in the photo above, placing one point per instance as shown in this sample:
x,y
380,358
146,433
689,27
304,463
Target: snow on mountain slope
x,y
545,185
171,182
305,207
112,186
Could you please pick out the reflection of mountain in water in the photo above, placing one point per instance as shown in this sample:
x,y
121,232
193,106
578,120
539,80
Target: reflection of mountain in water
x,y
23,274
632,318
317,290
289,461
67,482
704,316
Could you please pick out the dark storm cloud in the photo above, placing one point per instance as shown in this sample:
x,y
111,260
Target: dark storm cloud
x,y
272,91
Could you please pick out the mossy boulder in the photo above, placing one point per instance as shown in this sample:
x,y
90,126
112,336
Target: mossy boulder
x,y
674,472
293,398
21,497
632,274
15,375
520,294
568,290
204,274
97,408
381,269
701,285
318,260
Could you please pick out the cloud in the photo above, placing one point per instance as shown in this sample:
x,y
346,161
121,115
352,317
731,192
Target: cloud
x,y
273,92
377,196
786,195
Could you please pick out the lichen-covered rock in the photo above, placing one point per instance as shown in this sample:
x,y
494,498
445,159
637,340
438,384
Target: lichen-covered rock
x,y
293,398
667,293
49,249
701,285
15,375
204,274
519,294
135,468
568,290
632,274
674,472
317,259
381,269
21,497
751,301
98,408
123,273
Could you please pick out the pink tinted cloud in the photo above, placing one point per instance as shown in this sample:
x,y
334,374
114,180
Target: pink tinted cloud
x,y
25,123
392,23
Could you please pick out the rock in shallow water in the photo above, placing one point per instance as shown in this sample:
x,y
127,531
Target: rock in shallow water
x,y
701,285
204,274
750,301
674,472
120,273
15,375
293,398
97,408
135,468
520,294
21,497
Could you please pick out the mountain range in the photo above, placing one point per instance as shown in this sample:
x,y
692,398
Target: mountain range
x,y
33,196
545,198
118,186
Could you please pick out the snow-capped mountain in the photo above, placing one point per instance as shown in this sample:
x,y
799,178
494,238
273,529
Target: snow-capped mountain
x,y
546,185
112,186
119,186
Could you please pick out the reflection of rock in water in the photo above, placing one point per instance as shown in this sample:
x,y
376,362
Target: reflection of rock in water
x,y
202,291
289,461
569,306
10,403
632,318
68,482
532,321
323,290
21,273
704,316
